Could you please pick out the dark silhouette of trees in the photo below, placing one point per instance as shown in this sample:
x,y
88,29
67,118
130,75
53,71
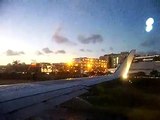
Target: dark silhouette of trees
x,y
156,58
155,73
141,74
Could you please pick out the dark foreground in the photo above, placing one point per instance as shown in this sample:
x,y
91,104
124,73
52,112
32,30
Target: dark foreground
x,y
139,100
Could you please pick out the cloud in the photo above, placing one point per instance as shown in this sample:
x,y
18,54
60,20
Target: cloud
x,y
103,50
111,48
88,50
47,50
60,52
21,52
82,50
152,42
39,53
85,50
12,53
60,39
95,38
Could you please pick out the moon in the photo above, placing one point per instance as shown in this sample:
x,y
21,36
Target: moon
x,y
149,24
149,21
149,28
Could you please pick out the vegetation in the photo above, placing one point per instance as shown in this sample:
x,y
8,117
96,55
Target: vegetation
x,y
155,73
156,58
138,100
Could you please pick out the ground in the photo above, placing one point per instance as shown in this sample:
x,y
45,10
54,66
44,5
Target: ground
x,y
139,100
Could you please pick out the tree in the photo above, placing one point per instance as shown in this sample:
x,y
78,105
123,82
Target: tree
x,y
140,74
156,58
154,73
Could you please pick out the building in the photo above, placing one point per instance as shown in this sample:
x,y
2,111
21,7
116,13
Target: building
x,y
148,58
79,66
114,59
86,65
123,55
59,67
54,68
46,68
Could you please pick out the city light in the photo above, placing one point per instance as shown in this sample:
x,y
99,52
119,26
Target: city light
x,y
70,63
89,65
33,64
78,66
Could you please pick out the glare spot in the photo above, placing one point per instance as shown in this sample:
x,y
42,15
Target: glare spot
x,y
130,81
149,28
125,76
149,21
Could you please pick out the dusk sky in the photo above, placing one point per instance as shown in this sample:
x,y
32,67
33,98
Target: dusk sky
x,y
59,30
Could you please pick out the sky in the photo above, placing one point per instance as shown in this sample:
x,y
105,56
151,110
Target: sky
x,y
59,30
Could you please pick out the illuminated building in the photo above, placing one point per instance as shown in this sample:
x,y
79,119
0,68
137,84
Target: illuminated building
x,y
59,67
82,65
46,67
85,65
114,59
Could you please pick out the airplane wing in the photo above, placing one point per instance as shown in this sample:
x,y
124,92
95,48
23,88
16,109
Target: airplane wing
x,y
21,101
